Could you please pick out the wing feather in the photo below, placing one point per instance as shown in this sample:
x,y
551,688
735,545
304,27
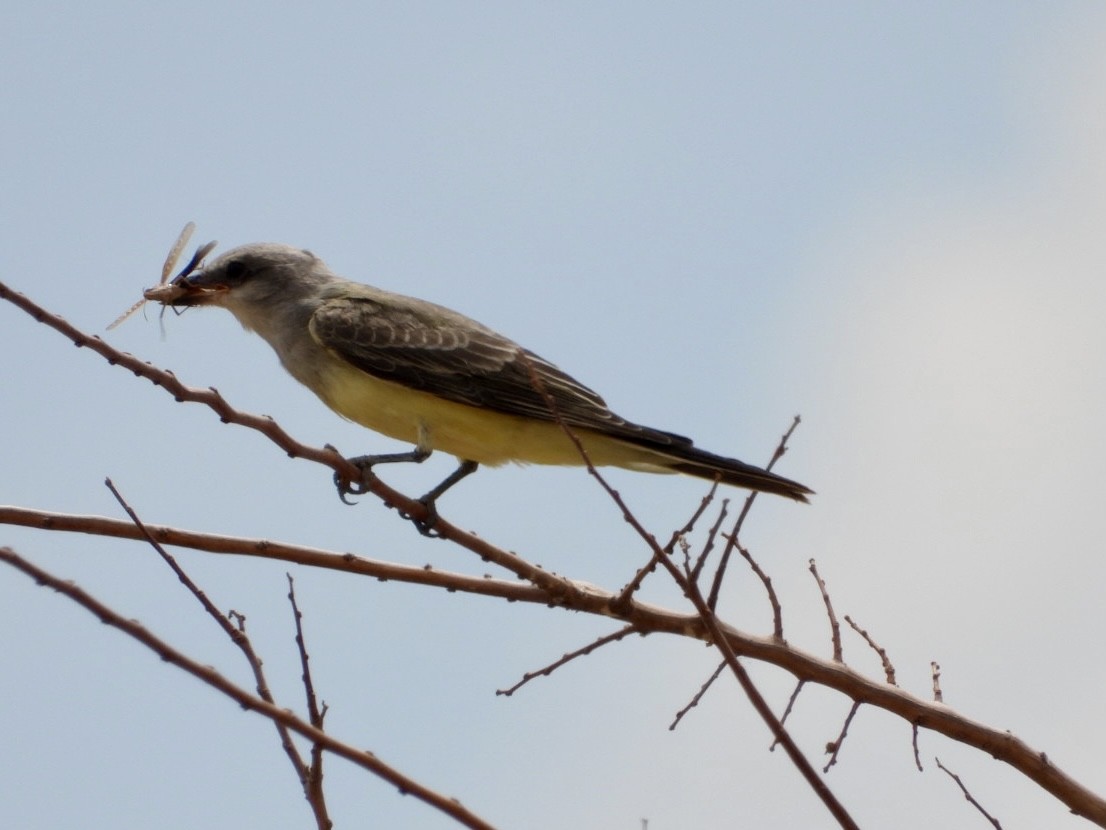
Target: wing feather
x,y
426,347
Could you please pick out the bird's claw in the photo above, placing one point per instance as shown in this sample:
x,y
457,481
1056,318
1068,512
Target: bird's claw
x,y
361,486
426,525
355,487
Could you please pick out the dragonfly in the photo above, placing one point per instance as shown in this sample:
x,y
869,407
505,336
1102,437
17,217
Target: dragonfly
x,y
166,290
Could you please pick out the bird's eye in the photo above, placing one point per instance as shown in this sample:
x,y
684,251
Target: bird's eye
x,y
235,270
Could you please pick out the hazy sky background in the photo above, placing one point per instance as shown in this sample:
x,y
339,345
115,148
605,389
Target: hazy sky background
x,y
887,218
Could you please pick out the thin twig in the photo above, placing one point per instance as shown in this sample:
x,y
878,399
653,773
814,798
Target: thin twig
x,y
935,670
835,627
706,614
735,534
766,581
568,658
888,667
327,456
820,788
807,668
689,525
234,626
790,705
313,786
234,633
994,821
623,598
712,536
366,760
550,589
834,748
698,696
914,741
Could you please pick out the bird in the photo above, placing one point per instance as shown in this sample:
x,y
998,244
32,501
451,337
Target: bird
x,y
433,378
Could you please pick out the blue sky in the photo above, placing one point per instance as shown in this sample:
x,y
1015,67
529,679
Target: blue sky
x,y
885,218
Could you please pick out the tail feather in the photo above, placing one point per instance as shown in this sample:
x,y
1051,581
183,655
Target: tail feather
x,y
696,462
668,452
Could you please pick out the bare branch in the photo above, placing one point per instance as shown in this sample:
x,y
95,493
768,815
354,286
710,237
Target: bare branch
x,y
835,627
935,669
553,590
568,658
366,760
712,535
994,821
806,667
888,667
236,631
719,575
632,586
829,800
707,616
834,748
327,456
698,696
787,711
766,580
313,781
280,551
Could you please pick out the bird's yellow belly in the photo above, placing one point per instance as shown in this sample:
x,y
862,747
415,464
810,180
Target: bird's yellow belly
x,y
468,432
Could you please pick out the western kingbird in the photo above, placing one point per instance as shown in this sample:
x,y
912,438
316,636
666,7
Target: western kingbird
x,y
429,376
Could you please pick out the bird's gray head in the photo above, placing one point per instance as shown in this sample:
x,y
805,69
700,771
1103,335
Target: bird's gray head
x,y
252,275
262,284
269,287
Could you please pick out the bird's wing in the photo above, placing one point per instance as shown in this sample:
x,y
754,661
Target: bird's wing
x,y
435,350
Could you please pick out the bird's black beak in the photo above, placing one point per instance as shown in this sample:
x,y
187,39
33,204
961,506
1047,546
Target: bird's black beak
x,y
192,286
194,289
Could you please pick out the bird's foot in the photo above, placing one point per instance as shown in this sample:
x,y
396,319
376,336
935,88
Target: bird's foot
x,y
426,525
361,485
354,487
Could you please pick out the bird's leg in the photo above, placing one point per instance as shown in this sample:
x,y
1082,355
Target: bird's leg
x,y
418,454
365,463
430,499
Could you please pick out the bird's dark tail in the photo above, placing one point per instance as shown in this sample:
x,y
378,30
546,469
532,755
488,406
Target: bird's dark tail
x,y
669,452
702,464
